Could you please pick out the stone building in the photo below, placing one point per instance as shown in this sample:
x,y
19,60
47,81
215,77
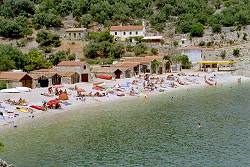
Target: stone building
x,y
16,79
45,78
70,77
75,33
82,68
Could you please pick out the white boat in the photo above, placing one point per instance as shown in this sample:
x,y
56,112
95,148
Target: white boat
x,y
12,90
23,89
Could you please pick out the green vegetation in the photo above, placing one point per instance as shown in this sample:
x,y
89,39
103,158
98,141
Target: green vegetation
x,y
236,52
61,56
184,60
189,15
46,38
154,65
101,45
1,147
3,85
12,58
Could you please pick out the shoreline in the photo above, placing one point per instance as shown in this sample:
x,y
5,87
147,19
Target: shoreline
x,y
91,102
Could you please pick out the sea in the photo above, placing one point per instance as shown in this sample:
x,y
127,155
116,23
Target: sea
x,y
204,127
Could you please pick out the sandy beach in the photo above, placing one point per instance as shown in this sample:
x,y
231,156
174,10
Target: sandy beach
x,y
115,91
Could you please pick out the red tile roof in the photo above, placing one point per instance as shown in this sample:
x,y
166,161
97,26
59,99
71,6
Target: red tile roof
x,y
70,63
126,28
127,64
12,76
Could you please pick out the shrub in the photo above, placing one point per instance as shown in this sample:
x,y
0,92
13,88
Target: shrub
x,y
202,43
223,54
236,52
216,28
154,51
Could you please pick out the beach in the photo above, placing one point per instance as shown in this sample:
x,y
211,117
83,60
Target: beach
x,y
116,91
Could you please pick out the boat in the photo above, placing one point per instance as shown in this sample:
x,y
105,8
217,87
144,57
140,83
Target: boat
x,y
120,94
102,76
37,107
23,89
98,84
12,90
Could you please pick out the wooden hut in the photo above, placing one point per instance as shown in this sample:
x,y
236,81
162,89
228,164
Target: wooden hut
x,y
16,79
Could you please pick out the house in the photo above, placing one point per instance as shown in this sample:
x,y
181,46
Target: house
x,y
130,69
45,78
82,68
121,33
75,33
16,79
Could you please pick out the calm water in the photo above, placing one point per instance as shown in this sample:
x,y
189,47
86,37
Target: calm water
x,y
160,131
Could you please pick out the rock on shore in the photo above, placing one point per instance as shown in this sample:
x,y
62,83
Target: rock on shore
x,y
4,164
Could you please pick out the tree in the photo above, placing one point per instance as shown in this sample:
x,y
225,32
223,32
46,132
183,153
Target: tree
x,y
18,27
36,60
11,58
154,65
44,19
60,56
184,60
46,38
197,30
86,19
1,147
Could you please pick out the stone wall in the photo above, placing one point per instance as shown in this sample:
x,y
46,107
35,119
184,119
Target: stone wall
x,y
14,84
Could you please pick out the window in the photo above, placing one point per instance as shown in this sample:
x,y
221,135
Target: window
x,y
124,33
69,34
84,67
115,33
80,35
130,33
136,32
74,35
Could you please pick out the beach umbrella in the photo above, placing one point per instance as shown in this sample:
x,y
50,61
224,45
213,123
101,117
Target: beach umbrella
x,y
63,96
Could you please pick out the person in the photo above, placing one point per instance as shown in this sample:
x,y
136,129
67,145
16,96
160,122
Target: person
x,y
199,125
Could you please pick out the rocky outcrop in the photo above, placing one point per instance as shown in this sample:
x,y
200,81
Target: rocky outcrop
x,y
4,164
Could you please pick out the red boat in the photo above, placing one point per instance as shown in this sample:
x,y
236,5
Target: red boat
x,y
37,107
107,77
98,88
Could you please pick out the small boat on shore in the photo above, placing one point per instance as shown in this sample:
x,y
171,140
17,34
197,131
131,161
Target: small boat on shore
x,y
37,107
101,76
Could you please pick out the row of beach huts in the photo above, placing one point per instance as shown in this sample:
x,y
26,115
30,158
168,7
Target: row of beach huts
x,y
71,72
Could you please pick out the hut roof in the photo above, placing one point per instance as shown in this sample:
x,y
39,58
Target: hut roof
x,y
71,63
142,60
126,28
48,73
127,64
12,76
68,74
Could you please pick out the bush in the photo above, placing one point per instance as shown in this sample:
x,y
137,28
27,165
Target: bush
x,y
202,43
216,28
45,38
176,43
236,52
223,54
21,43
154,51
3,85
140,49
245,36
197,30
210,43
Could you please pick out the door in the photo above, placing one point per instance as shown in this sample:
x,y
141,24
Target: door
x,y
85,77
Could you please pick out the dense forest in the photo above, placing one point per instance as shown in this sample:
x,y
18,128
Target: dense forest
x,y
19,16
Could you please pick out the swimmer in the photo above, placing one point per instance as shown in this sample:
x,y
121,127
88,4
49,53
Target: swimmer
x,y
199,125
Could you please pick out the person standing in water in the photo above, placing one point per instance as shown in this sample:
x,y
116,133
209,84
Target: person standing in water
x,y
199,125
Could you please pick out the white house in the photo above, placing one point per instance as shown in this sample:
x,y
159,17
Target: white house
x,y
123,32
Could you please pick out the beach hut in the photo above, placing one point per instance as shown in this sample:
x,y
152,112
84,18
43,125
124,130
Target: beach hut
x,y
70,77
219,65
16,79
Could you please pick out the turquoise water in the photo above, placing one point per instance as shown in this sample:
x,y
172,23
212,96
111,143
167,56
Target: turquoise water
x,y
160,131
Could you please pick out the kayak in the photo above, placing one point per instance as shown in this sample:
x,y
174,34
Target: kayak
x,y
37,107
107,77
22,109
